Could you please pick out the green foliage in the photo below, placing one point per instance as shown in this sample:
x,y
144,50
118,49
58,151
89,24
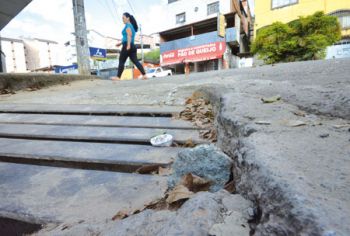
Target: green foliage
x,y
152,56
304,39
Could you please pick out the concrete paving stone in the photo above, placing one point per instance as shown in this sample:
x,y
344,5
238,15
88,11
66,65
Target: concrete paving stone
x,y
110,121
123,155
49,194
107,134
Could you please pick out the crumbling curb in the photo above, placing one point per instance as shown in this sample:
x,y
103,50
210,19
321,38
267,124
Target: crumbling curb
x,y
279,213
14,82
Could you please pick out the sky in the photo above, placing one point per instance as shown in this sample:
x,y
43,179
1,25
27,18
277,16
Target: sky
x,y
53,19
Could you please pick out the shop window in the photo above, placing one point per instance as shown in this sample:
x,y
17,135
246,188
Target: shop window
x,y
344,18
282,3
181,18
213,8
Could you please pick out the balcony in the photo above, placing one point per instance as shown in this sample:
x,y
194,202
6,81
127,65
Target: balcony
x,y
201,39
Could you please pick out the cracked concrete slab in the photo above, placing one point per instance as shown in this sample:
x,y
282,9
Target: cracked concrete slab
x,y
196,217
41,194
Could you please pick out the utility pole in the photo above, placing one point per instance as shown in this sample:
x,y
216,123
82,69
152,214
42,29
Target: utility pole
x,y
83,53
1,67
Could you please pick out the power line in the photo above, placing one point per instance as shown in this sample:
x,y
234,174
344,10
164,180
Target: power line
x,y
105,5
110,9
132,9
115,7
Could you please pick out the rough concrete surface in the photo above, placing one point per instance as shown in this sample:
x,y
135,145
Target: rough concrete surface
x,y
49,194
299,177
196,217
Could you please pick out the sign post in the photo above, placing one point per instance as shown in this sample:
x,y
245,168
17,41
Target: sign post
x,y
98,54
221,25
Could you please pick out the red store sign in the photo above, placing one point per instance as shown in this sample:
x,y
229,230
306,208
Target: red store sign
x,y
193,54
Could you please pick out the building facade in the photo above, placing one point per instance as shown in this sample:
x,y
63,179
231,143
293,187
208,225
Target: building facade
x,y
25,55
191,42
269,11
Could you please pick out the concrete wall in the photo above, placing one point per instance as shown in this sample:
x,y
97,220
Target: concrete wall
x,y
264,15
338,51
192,16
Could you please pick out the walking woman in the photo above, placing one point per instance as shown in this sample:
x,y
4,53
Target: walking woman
x,y
129,49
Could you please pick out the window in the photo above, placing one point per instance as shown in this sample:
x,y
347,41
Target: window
x,y
344,18
181,18
282,3
171,1
213,8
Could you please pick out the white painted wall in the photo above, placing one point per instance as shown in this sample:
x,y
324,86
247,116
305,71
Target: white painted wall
x,y
15,56
338,51
189,6
30,54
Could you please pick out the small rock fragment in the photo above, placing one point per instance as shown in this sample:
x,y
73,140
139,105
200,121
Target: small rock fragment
x,y
262,122
295,123
324,135
342,126
120,215
271,99
299,113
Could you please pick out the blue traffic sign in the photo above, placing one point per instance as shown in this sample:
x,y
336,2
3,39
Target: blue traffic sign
x,y
98,53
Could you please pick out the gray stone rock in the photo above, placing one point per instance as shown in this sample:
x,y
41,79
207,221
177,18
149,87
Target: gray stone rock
x,y
205,161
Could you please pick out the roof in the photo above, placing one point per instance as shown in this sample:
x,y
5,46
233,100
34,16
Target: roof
x,y
9,9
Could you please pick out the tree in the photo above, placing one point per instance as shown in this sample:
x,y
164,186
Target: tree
x,y
152,56
304,39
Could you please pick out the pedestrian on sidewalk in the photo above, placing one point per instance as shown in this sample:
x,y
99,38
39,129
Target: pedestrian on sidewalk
x,y
129,49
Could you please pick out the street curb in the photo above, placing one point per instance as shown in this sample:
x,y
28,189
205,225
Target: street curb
x,y
13,82
279,213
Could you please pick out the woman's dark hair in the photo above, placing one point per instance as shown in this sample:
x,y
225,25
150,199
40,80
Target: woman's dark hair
x,y
132,21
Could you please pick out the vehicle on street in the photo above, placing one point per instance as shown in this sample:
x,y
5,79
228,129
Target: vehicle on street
x,y
158,72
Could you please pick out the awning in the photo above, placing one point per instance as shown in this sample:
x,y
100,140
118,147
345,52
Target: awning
x,y
204,52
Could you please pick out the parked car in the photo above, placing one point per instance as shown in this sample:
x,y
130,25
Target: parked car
x,y
158,72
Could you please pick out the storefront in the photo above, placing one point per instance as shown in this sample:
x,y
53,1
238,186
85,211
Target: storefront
x,y
198,48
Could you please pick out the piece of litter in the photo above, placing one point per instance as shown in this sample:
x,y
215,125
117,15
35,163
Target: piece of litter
x,y
271,99
165,171
163,140
341,126
299,113
324,135
295,123
180,192
120,215
262,122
